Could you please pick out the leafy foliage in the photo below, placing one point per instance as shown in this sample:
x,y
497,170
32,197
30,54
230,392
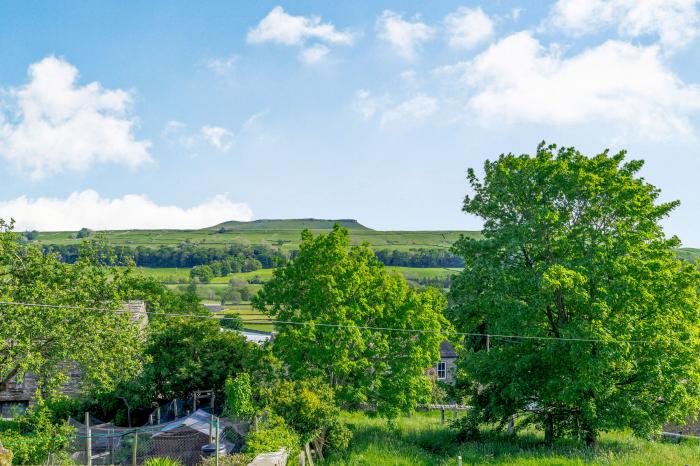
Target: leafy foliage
x,y
272,436
239,396
161,461
308,407
35,435
104,345
573,249
330,283
185,355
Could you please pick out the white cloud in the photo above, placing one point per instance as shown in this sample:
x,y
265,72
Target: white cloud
x,y
517,79
132,211
314,54
415,109
222,66
366,104
283,28
674,21
53,125
467,27
405,37
220,138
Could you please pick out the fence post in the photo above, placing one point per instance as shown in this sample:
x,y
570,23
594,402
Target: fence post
x,y
442,414
217,441
134,448
211,427
88,441
459,461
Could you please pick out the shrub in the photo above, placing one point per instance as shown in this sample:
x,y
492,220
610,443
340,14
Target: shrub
x,y
34,435
239,396
275,434
236,459
307,406
162,461
467,427
337,436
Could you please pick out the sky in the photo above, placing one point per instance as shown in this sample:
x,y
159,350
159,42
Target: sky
x,y
177,114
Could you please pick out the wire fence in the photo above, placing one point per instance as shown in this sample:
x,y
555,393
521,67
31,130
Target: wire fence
x,y
180,435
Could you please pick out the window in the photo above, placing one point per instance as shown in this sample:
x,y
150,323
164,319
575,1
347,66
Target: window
x,y
441,371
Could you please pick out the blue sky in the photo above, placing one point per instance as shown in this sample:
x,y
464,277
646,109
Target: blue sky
x,y
182,114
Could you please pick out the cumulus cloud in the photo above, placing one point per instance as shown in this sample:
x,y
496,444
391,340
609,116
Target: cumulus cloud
x,y
314,54
279,27
132,211
467,27
220,138
675,22
517,79
54,125
405,37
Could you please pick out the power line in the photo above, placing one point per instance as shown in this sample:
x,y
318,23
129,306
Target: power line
x,y
322,324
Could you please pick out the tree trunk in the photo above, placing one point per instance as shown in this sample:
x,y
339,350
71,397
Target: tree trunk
x,y
548,429
590,436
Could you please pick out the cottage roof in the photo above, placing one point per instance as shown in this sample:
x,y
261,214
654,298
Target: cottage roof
x,y
447,351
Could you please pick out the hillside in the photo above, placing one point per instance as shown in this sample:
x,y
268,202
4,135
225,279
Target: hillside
x,y
288,224
282,233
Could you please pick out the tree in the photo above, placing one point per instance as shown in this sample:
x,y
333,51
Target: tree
x,y
84,233
342,296
573,255
82,330
184,355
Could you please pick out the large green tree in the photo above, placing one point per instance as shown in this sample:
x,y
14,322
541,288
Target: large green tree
x,y
344,301
573,254
49,341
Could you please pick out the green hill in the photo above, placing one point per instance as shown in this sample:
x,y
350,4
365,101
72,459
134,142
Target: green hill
x,y
289,224
282,233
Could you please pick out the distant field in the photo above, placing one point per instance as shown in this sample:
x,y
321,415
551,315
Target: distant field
x,y
285,234
182,275
691,254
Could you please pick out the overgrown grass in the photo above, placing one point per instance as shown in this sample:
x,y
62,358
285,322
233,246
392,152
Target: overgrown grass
x,y
422,440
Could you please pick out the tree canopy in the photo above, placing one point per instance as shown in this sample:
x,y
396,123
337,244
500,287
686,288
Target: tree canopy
x,y
47,341
342,297
573,254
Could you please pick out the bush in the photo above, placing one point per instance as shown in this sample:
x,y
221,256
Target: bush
x,y
239,396
236,459
467,427
34,435
307,407
337,436
162,461
275,434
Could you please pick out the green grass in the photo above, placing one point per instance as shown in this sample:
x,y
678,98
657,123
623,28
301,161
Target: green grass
x,y
422,440
285,234
247,314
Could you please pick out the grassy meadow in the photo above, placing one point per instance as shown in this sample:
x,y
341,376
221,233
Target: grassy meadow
x,y
285,234
422,440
